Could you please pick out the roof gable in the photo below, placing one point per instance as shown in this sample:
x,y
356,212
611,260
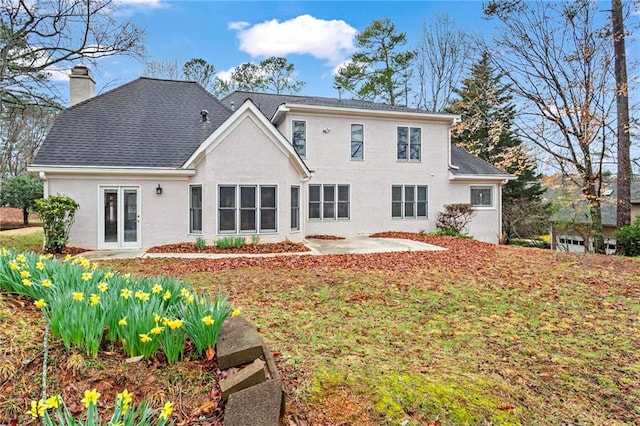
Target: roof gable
x,y
468,165
144,123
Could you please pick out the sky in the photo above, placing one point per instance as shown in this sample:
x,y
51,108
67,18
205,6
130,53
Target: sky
x,y
316,36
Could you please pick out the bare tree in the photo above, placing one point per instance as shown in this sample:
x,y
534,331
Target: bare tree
x,y
38,36
443,54
158,68
559,66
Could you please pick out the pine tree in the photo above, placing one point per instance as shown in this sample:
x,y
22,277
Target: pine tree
x,y
486,131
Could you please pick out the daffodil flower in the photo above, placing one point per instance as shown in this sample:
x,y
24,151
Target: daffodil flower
x,y
126,399
13,265
21,258
37,408
94,299
40,266
67,258
86,276
53,401
102,286
166,411
40,303
78,296
157,330
108,275
27,282
123,321
24,274
177,323
144,338
156,318
156,289
236,312
90,397
126,293
208,320
167,295
184,292
46,282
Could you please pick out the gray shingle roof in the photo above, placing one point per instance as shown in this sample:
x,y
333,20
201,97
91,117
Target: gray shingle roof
x,y
471,165
144,123
268,103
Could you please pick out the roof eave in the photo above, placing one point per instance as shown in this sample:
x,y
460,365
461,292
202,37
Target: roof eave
x,y
467,177
110,170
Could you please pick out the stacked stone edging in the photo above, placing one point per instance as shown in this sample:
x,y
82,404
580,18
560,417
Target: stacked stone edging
x,y
255,394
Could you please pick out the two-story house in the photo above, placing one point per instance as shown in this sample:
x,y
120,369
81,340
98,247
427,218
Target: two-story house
x,y
160,161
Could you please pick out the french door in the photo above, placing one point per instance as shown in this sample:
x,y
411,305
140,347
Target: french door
x,y
119,217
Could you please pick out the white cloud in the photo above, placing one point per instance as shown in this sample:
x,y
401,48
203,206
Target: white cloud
x,y
149,4
305,34
57,74
226,74
238,25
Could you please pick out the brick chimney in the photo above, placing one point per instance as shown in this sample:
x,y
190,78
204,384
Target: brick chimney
x,y
81,85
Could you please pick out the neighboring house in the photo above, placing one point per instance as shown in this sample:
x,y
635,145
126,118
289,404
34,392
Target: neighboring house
x,y
571,224
160,161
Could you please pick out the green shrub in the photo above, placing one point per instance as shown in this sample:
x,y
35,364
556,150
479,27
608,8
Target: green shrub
x,y
200,243
57,213
255,240
447,232
529,242
230,242
629,238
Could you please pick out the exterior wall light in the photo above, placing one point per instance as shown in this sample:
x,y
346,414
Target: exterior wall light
x,y
159,190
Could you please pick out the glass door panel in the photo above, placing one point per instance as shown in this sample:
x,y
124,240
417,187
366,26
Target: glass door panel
x,y
110,215
130,215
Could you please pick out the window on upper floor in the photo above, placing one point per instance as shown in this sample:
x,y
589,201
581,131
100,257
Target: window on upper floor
x,y
329,202
299,137
481,196
357,141
409,143
409,201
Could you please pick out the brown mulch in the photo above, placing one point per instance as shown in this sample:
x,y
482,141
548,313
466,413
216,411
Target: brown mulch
x,y
11,218
324,237
262,248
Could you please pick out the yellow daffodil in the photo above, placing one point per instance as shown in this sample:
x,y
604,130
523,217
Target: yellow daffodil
x,y
141,295
156,289
67,258
144,338
102,286
235,313
189,300
46,282
26,282
177,323
37,408
156,330
108,275
21,258
4,251
184,292
78,296
13,265
127,276
166,411
125,397
40,303
167,295
94,299
156,318
94,266
53,401
24,274
40,266
207,320
90,397
165,321
86,276
126,293
123,321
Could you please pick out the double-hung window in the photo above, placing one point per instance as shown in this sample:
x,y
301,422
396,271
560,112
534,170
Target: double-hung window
x,y
409,143
295,208
299,137
357,141
329,202
409,201
195,209
481,197
247,208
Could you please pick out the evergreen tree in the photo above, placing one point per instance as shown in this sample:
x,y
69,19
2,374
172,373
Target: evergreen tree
x,y
485,131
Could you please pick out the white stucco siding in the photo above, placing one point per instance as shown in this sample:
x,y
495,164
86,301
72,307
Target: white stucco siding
x,y
163,218
248,156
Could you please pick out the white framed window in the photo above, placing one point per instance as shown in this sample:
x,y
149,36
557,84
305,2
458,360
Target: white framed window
x,y
409,143
329,202
357,141
482,197
247,208
295,208
299,137
195,209
409,201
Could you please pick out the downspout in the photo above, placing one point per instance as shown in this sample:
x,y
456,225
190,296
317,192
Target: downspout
x,y
45,185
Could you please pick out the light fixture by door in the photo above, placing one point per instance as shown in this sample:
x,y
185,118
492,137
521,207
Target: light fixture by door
x,y
159,190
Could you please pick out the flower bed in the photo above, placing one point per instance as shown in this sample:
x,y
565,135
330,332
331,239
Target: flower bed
x,y
262,248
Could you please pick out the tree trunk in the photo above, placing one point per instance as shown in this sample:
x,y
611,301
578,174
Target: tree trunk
x,y
623,214
596,223
25,216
